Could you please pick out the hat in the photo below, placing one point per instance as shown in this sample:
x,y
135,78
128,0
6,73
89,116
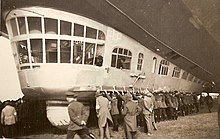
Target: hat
x,y
71,94
148,93
113,95
128,96
98,93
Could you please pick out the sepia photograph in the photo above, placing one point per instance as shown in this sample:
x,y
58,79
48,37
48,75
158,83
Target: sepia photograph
x,y
110,69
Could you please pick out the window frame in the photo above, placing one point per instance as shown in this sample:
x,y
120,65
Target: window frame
x,y
190,77
164,67
117,55
176,72
29,25
40,33
185,75
154,65
47,29
14,27
140,61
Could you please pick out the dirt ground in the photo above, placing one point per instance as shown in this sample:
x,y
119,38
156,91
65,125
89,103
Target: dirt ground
x,y
197,126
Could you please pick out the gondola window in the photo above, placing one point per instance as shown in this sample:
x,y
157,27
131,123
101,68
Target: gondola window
x,y
34,25
36,51
121,58
164,67
140,61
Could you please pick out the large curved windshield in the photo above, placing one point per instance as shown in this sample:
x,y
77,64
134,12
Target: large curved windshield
x,y
46,42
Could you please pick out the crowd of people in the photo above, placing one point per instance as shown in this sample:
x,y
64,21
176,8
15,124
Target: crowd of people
x,y
139,109
21,117
133,110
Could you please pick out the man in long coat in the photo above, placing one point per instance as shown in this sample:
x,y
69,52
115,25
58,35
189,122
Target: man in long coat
x,y
130,110
114,110
78,118
169,104
103,114
147,111
153,116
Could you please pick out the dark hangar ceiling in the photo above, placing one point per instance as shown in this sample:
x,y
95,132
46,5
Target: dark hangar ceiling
x,y
189,27
187,32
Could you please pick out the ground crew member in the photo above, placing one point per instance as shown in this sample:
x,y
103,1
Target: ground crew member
x,y
147,111
140,117
163,107
8,120
103,114
209,102
153,116
158,106
196,102
175,106
181,105
130,111
114,110
185,104
169,104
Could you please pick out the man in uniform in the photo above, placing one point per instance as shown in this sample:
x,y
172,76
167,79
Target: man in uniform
x,y
78,117
169,104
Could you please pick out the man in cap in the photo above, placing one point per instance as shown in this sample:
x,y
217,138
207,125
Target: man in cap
x,y
78,117
130,110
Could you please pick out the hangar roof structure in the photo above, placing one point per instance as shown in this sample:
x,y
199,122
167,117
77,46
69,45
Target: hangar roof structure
x,y
186,32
